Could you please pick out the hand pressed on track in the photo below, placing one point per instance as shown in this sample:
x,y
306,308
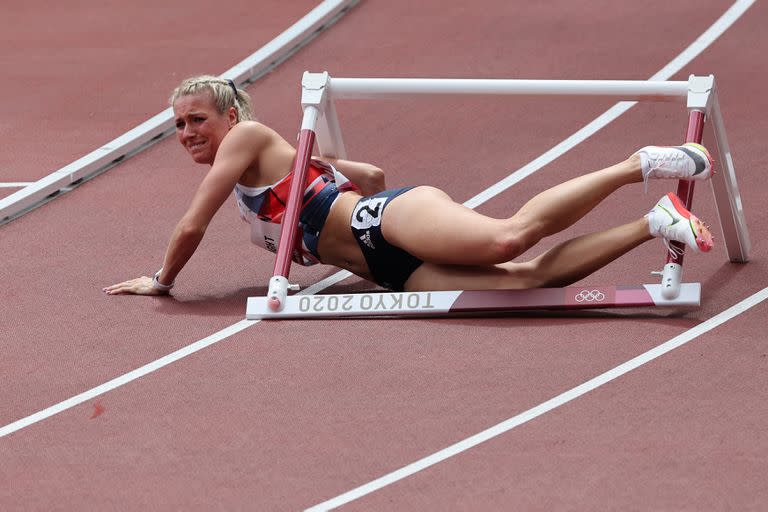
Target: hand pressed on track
x,y
139,286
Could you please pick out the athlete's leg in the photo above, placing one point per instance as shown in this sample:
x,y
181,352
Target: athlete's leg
x,y
562,265
574,259
579,257
429,225
426,223
559,207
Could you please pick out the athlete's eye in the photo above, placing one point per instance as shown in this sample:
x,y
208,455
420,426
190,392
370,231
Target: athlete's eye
x,y
179,125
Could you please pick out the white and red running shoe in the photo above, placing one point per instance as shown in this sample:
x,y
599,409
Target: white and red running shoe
x,y
690,161
670,220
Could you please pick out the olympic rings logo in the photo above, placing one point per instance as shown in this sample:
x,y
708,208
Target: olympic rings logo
x,y
590,296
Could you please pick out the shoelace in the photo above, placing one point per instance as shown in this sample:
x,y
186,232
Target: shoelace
x,y
674,251
668,157
666,239
659,161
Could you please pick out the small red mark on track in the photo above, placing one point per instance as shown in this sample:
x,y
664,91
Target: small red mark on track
x,y
97,410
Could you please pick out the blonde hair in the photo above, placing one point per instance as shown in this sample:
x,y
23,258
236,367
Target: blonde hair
x,y
223,92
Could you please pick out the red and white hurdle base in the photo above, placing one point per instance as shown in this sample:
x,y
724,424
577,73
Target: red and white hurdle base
x,y
446,303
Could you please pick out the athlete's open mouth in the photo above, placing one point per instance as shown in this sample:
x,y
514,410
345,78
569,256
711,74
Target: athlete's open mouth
x,y
194,147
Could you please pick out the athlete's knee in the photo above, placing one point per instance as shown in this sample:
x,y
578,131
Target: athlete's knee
x,y
507,244
527,226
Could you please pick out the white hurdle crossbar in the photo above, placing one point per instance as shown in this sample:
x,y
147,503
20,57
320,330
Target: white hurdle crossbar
x,y
320,123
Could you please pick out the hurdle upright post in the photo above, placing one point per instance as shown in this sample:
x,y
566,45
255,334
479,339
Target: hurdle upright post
x,y
704,106
725,188
330,142
312,100
672,275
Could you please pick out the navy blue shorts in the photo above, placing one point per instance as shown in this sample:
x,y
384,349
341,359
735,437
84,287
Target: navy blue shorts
x,y
390,266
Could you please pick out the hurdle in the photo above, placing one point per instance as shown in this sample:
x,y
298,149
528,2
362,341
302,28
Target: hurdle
x,y
320,125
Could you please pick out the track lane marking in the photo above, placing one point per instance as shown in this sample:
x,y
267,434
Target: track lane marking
x,y
552,403
125,378
722,24
156,364
160,126
675,65
700,44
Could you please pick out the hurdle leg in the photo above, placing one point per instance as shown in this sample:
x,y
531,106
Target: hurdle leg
x,y
672,275
730,209
278,284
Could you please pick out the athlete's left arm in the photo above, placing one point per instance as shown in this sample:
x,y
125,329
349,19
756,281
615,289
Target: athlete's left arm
x,y
368,178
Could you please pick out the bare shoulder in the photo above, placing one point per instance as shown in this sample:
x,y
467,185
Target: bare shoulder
x,y
259,137
253,132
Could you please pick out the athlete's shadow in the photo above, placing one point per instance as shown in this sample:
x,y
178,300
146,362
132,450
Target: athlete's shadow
x,y
687,317
221,305
234,304
228,304
683,317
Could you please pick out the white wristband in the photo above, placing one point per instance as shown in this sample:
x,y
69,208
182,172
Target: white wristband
x,y
157,285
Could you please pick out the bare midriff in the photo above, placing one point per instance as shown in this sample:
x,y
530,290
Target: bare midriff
x,y
337,246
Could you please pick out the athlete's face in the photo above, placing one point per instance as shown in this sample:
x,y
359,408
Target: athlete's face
x,y
199,126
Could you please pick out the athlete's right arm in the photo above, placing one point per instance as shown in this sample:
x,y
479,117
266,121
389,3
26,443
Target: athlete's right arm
x,y
237,151
235,154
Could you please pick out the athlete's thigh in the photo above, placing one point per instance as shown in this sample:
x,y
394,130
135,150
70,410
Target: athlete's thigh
x,y
433,276
427,223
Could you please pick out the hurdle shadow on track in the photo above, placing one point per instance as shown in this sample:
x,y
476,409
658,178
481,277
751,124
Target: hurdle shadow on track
x,y
726,273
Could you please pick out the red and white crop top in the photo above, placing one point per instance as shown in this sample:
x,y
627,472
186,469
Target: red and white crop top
x,y
264,207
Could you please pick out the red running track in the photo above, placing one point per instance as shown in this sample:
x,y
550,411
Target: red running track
x,y
286,415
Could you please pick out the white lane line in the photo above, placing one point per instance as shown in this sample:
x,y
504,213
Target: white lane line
x,y
553,403
699,45
16,184
559,150
50,411
160,126
126,378
157,364
327,282
675,65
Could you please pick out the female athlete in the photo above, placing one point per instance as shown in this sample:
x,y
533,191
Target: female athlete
x,y
413,238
